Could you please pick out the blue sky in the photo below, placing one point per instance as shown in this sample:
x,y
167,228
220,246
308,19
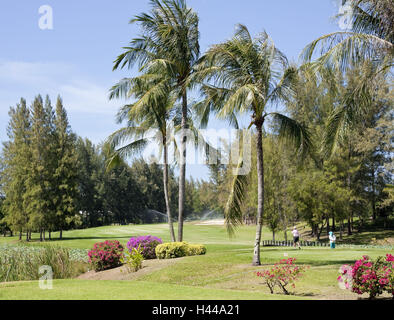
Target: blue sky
x,y
75,58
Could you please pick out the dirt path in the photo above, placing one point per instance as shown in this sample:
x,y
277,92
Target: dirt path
x,y
121,273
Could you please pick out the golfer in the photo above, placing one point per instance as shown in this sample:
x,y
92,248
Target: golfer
x,y
332,238
296,237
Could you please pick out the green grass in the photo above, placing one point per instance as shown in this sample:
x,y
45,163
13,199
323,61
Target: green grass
x,y
121,290
193,233
225,272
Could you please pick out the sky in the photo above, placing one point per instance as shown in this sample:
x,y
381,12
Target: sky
x,y
74,59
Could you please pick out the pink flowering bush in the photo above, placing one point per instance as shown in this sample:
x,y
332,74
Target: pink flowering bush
x,y
369,276
147,245
387,274
282,274
106,255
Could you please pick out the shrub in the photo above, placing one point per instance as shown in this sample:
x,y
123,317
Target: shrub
x,y
133,259
282,274
389,287
147,245
369,276
196,249
179,249
171,250
106,255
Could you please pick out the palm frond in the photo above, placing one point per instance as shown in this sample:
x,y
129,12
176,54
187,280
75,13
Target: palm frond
x,y
336,125
123,153
233,210
293,131
343,49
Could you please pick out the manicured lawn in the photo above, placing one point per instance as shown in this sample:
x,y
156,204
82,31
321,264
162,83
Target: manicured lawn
x,y
192,233
120,290
225,272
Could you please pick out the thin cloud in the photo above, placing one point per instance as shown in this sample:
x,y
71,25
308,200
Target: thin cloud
x,y
27,79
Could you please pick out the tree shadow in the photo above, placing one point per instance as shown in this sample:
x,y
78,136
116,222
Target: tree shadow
x,y
304,294
35,240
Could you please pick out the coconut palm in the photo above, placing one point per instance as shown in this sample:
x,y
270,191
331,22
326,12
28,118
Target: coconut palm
x,y
249,75
170,41
367,49
148,120
370,38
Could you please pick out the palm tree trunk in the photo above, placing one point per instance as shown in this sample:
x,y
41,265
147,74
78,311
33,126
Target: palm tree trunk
x,y
260,195
166,196
182,169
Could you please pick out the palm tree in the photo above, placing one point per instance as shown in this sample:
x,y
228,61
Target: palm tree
x,y
249,75
368,49
371,38
170,41
150,113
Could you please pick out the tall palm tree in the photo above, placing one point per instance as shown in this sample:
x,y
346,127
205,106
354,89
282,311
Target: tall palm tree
x,y
249,75
170,41
151,113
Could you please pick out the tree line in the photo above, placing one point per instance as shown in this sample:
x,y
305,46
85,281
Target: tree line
x,y
54,180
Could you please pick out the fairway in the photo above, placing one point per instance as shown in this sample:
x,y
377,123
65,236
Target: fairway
x,y
224,272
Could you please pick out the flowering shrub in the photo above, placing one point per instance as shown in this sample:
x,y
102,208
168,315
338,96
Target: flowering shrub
x,y
390,274
368,276
106,255
147,244
282,274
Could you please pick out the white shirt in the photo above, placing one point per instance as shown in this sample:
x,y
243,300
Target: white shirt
x,y
295,233
332,238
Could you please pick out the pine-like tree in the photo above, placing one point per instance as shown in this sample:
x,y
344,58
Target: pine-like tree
x,y
15,165
65,174
39,179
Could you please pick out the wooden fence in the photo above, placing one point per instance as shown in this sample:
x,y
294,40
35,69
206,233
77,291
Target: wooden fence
x,y
271,243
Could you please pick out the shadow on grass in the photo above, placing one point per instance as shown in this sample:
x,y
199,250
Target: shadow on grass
x,y
330,260
304,294
91,238
54,240
368,237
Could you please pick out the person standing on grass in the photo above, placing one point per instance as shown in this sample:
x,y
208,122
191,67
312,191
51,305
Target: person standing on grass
x,y
332,238
296,237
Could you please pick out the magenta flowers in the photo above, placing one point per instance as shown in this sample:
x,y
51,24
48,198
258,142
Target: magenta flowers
x,y
370,276
147,245
106,255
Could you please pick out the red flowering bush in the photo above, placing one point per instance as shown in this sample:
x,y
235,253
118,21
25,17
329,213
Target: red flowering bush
x,y
106,255
369,276
282,274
